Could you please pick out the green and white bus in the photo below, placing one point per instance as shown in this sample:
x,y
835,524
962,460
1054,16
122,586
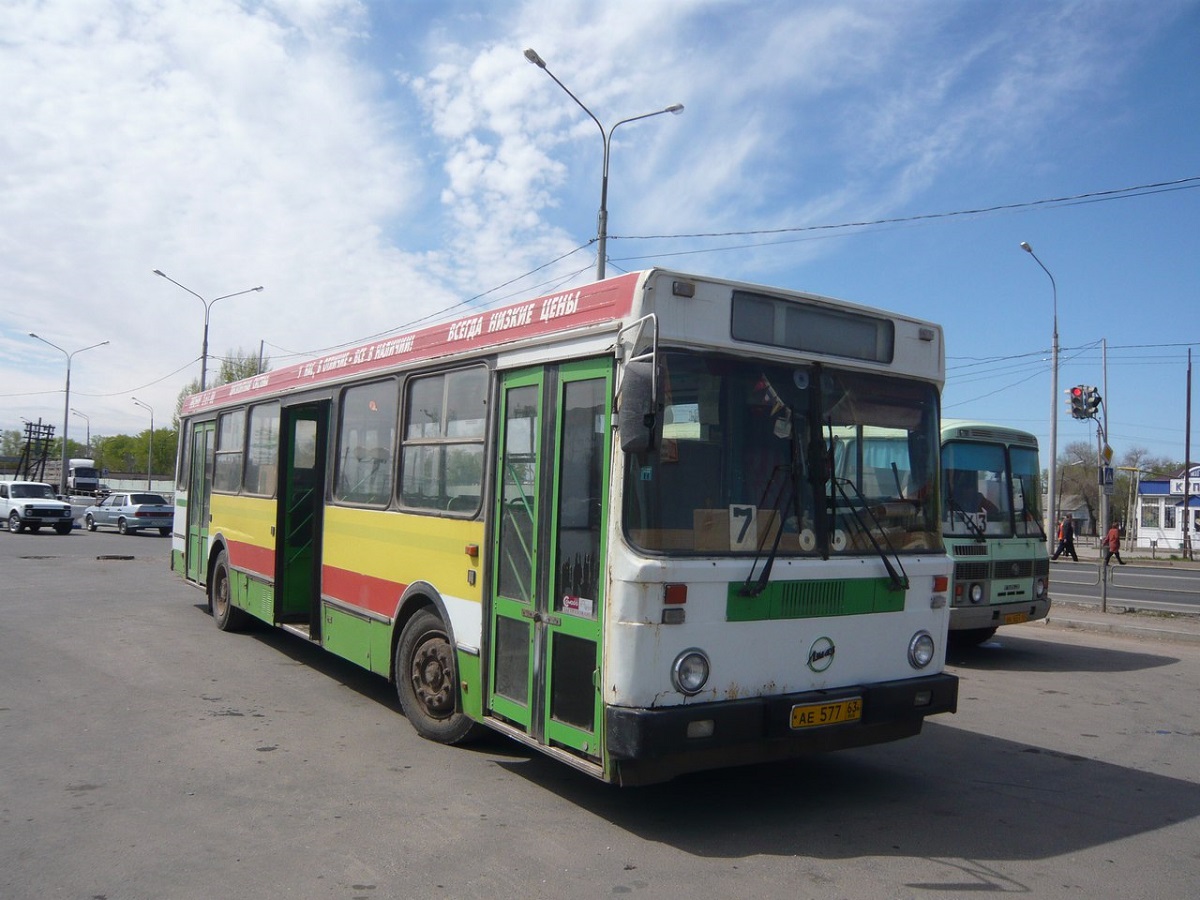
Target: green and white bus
x,y
992,523
605,523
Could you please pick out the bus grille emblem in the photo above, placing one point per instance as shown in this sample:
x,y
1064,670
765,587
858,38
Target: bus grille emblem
x,y
820,655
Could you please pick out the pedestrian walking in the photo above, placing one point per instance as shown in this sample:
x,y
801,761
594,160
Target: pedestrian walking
x,y
1066,539
1112,545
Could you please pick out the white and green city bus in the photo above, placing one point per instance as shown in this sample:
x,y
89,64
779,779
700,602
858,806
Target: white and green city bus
x,y
992,523
606,523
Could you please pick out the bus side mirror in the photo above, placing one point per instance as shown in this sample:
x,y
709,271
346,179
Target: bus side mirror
x,y
635,419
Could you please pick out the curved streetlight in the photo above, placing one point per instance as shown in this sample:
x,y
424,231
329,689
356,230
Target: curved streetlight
x,y
1053,521
66,400
84,416
606,136
208,304
150,452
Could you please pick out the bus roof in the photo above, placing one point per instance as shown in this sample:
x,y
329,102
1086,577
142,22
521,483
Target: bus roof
x,y
593,304
971,429
592,309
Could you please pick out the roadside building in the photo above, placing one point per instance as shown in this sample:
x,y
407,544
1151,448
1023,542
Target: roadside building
x,y
1161,512
1078,509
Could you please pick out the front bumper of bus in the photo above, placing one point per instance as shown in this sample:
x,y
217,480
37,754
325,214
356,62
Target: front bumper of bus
x,y
994,615
653,744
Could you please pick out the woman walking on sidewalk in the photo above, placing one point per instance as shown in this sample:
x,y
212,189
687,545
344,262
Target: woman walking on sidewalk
x,y
1112,545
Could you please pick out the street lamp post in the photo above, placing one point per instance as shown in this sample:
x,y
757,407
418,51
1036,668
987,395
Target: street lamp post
x,y
606,137
1053,401
150,451
66,401
208,304
85,418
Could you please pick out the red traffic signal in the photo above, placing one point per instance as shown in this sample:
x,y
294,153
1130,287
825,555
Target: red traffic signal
x,y
1078,401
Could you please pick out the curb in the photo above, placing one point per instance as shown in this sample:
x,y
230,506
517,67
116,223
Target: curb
x,y
1129,623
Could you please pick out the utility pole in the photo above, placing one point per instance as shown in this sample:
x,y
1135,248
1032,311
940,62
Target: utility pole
x,y
1187,466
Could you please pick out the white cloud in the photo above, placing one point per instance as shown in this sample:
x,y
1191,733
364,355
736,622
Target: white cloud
x,y
370,163
228,146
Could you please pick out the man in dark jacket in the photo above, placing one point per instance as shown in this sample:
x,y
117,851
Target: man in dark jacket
x,y
1066,543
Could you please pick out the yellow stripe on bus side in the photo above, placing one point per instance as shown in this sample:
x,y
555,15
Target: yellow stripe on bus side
x,y
403,548
244,520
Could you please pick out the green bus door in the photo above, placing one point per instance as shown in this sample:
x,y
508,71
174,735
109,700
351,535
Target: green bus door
x,y
199,497
303,433
551,509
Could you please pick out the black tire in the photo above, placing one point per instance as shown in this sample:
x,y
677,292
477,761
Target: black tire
x,y
63,527
14,523
89,523
227,616
427,682
122,528
970,637
165,532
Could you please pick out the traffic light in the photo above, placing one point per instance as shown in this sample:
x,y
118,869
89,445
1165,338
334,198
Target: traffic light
x,y
1078,401
1091,401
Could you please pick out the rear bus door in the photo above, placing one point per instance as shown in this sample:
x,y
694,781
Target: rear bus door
x,y
551,510
303,434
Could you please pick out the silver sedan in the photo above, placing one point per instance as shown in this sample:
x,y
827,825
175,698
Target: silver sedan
x,y
131,513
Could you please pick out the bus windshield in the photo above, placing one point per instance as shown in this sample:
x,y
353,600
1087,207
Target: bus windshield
x,y
844,461
1027,492
976,488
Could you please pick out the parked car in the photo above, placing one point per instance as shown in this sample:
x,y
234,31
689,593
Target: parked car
x,y
32,504
131,513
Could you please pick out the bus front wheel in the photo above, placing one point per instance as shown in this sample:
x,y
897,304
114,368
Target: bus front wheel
x,y
427,681
970,637
227,616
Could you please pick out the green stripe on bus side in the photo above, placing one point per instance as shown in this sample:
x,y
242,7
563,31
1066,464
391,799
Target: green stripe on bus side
x,y
470,681
254,596
813,600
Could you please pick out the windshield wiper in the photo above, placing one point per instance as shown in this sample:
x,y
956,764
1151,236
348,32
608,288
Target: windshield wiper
x,y
968,520
752,587
899,580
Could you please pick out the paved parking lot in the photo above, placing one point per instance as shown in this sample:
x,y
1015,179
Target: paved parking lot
x,y
144,754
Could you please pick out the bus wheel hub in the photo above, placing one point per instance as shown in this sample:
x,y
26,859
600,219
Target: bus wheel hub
x,y
430,667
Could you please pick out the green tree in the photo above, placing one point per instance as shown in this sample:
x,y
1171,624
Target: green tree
x,y
1077,477
237,365
12,442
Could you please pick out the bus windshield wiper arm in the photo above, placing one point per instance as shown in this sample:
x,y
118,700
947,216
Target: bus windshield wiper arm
x,y
969,520
750,589
753,587
899,579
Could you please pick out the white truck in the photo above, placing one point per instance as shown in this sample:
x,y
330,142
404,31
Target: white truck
x,y
82,476
32,504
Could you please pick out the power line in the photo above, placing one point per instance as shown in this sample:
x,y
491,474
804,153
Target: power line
x,y
1188,183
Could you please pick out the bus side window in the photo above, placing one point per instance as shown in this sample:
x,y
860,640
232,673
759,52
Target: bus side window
x,y
366,439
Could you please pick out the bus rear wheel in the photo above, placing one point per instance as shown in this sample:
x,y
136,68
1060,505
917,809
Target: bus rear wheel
x,y
427,681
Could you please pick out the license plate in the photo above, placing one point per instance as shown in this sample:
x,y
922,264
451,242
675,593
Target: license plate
x,y
1016,618
814,715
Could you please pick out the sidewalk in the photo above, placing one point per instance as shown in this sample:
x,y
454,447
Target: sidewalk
x,y
1088,549
1123,621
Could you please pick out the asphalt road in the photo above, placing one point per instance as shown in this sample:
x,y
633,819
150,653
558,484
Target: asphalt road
x,y
1140,584
144,754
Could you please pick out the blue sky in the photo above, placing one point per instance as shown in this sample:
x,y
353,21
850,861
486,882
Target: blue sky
x,y
373,163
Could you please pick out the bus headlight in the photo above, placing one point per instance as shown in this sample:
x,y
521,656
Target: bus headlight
x,y
976,593
689,672
1039,588
920,650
